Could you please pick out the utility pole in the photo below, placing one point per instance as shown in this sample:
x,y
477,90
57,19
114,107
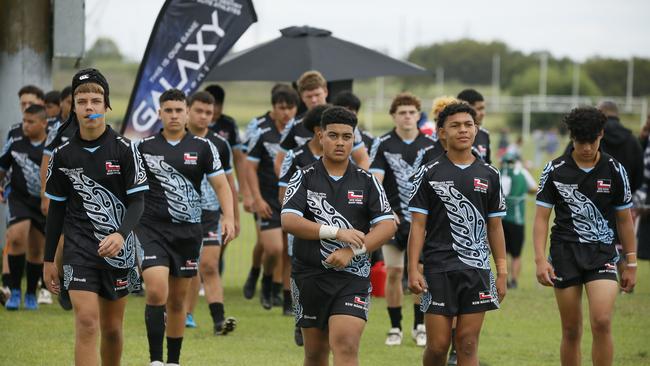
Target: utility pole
x,y
575,89
496,81
630,84
543,74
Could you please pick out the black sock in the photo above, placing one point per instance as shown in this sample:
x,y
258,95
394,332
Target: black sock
x,y
16,269
255,272
395,315
216,311
453,340
267,284
277,287
34,272
154,318
288,300
174,349
418,315
6,280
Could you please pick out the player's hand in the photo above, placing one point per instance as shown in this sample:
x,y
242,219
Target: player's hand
x,y
340,258
51,277
417,284
237,228
263,209
545,273
45,205
628,279
227,230
111,245
351,236
249,203
502,286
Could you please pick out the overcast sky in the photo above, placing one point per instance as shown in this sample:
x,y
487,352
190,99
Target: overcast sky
x,y
574,28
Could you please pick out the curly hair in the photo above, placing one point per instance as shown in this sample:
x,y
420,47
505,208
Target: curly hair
x,y
452,109
338,115
313,116
404,99
440,103
585,124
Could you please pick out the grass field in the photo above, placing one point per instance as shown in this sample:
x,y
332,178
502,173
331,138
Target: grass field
x,y
526,331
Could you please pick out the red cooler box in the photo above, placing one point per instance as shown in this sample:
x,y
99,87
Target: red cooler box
x,y
378,279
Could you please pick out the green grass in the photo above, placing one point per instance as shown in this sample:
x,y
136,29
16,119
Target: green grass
x,y
526,331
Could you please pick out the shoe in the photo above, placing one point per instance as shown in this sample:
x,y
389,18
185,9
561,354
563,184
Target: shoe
x,y
513,284
5,294
266,302
419,335
44,297
64,300
249,286
297,337
30,302
14,300
277,300
453,359
189,321
225,326
394,337
287,312
157,363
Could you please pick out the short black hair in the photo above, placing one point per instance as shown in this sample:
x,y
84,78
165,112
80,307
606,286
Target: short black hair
x,y
338,115
36,110
585,124
348,100
470,96
454,108
66,92
52,97
201,96
285,94
217,93
31,89
313,116
172,94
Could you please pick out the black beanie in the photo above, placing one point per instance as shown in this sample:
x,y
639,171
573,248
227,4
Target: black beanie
x,y
91,76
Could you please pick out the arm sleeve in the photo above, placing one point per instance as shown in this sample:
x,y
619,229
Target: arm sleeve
x,y
496,200
421,192
378,206
233,139
135,177
546,192
134,209
53,228
57,184
256,149
210,161
5,158
288,139
358,139
295,198
225,155
622,190
378,160
287,169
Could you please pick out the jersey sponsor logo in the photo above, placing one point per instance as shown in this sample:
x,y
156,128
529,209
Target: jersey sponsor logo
x,y
480,185
224,134
360,300
84,77
112,167
150,257
608,268
484,297
121,283
355,197
190,158
359,303
190,265
603,185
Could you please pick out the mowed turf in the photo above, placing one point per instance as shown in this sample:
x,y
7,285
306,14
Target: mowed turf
x,y
525,331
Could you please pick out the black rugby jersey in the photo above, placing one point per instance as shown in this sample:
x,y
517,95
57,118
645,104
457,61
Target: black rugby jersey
x,y
458,203
295,159
585,202
209,199
24,159
356,200
482,144
250,135
265,145
94,178
175,171
16,130
397,161
295,134
57,137
367,138
226,127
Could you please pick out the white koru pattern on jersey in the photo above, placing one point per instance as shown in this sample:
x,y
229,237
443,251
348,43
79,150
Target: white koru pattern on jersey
x,y
403,172
589,223
272,149
31,172
468,227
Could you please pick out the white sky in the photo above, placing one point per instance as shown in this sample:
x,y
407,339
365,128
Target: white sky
x,y
574,28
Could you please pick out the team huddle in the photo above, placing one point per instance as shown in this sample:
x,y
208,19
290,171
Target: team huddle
x,y
94,216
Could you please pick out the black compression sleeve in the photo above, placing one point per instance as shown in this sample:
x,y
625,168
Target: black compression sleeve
x,y
135,208
53,228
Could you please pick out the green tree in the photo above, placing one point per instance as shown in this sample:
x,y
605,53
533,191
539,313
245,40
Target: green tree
x,y
103,49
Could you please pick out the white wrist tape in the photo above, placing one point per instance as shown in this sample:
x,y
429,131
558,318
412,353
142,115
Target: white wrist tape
x,y
359,251
327,232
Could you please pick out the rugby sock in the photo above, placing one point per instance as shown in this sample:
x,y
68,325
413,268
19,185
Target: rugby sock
x,y
34,272
395,315
287,299
6,280
16,269
154,318
255,272
267,284
174,349
216,311
277,287
418,316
